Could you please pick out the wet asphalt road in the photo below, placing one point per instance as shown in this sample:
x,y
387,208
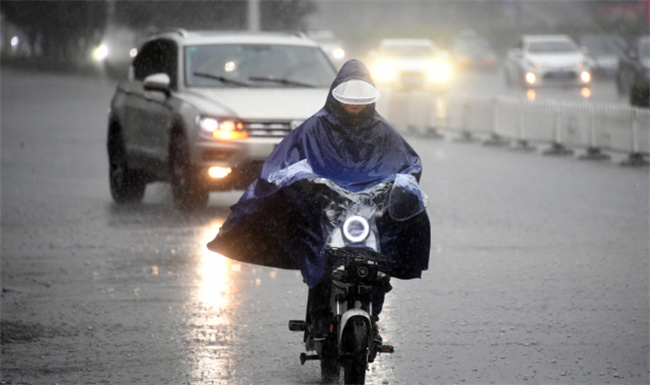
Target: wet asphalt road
x,y
538,274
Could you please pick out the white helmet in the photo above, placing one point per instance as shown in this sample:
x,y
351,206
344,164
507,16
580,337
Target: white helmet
x,y
356,92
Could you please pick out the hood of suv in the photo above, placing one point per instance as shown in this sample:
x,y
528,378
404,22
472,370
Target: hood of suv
x,y
258,103
563,60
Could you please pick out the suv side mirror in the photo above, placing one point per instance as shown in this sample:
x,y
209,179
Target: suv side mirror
x,y
157,82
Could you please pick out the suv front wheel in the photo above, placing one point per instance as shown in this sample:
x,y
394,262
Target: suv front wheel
x,y
127,186
187,190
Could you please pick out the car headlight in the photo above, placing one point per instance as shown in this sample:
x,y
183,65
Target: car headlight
x,y
100,53
585,76
530,78
385,72
338,53
222,128
439,72
356,228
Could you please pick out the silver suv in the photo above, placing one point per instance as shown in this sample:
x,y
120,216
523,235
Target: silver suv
x,y
203,110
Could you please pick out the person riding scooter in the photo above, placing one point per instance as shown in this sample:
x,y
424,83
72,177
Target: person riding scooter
x,y
348,142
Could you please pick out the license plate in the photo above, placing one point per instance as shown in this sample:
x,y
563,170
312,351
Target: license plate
x,y
560,74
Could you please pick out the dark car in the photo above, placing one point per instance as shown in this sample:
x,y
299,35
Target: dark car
x,y
634,66
605,50
472,51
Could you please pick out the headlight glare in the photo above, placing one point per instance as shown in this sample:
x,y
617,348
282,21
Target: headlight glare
x,y
209,124
100,53
530,78
356,228
217,172
385,72
439,72
338,53
222,129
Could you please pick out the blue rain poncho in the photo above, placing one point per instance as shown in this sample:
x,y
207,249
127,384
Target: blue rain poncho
x,y
276,223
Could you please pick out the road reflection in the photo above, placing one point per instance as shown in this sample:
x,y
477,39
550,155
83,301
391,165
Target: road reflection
x,y
212,314
214,271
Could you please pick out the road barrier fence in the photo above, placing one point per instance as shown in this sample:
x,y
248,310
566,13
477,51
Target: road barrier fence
x,y
562,125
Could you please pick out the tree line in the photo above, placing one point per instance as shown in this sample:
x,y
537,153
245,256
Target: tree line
x,y
65,29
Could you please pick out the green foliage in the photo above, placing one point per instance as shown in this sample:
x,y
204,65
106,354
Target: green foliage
x,y
640,95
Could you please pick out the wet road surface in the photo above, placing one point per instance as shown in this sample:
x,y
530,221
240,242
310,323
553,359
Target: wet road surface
x,y
538,273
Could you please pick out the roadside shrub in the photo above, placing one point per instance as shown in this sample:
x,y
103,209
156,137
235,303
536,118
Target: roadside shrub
x,y
640,95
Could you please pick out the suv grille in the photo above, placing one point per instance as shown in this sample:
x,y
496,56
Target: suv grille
x,y
266,129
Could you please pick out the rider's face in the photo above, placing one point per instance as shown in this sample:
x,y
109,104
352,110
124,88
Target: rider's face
x,y
352,109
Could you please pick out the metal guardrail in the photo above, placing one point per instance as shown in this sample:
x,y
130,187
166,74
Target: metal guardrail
x,y
562,125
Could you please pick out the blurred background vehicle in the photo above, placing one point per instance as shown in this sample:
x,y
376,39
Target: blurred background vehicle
x,y
332,45
117,48
540,60
407,64
605,50
472,51
14,42
634,65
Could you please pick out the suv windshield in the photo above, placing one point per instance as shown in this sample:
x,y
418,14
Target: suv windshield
x,y
408,50
257,65
551,47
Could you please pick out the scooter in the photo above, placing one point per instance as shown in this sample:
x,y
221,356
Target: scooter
x,y
354,340
356,272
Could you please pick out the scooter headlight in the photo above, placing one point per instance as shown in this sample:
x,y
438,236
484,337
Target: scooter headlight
x,y
356,229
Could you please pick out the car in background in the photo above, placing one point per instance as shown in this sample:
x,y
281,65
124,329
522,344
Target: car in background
x,y
543,60
634,65
408,64
605,50
471,51
117,48
203,110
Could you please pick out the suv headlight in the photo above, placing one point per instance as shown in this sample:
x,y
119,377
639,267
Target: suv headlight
x,y
356,228
439,72
385,72
226,129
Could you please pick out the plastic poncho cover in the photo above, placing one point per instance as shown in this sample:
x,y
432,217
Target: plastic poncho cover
x,y
275,223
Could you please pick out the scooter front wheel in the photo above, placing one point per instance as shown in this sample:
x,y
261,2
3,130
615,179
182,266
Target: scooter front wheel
x,y
330,367
356,342
355,370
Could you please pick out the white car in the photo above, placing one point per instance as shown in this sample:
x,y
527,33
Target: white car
x,y
541,60
203,110
406,64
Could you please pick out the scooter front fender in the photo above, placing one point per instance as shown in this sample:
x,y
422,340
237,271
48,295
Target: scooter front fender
x,y
346,319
